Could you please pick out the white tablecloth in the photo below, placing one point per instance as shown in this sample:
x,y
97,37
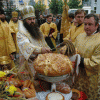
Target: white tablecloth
x,y
42,95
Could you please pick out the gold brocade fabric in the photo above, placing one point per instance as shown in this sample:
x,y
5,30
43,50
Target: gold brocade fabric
x,y
13,26
72,24
74,32
2,43
89,85
14,29
45,28
65,24
6,42
4,23
89,76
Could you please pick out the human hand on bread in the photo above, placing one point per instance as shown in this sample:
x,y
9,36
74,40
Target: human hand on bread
x,y
46,50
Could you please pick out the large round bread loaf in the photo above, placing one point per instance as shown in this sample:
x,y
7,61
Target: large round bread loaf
x,y
52,64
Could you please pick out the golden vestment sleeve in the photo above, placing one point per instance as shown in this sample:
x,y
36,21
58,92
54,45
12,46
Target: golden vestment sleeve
x,y
13,26
11,29
11,45
26,47
14,29
67,37
42,28
9,41
74,32
93,62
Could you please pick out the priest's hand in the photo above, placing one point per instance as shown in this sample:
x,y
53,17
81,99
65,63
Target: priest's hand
x,y
46,50
12,57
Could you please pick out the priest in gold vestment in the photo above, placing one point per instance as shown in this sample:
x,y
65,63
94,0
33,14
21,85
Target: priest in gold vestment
x,y
13,24
45,28
88,44
7,46
76,30
30,41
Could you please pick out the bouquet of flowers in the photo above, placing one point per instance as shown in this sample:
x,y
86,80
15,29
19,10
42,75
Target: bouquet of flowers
x,y
12,88
8,91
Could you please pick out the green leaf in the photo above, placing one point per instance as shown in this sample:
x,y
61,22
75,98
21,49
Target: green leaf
x,y
40,6
55,6
74,4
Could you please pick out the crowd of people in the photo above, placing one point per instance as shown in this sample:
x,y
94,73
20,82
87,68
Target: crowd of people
x,y
24,39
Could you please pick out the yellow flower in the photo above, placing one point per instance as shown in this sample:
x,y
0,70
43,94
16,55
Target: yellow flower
x,y
2,74
11,89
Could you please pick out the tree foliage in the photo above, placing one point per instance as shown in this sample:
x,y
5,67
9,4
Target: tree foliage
x,y
1,5
40,6
32,2
56,6
74,4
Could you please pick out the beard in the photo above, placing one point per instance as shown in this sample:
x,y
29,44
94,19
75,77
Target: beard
x,y
33,29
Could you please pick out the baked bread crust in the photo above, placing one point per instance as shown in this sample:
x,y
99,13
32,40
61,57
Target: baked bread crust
x,y
48,97
63,87
52,64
